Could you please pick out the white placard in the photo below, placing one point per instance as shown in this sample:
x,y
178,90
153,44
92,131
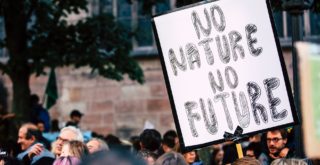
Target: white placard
x,y
223,69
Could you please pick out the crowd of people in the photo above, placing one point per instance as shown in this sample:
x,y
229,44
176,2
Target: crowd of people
x,y
70,147
149,148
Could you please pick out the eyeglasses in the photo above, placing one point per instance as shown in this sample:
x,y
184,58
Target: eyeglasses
x,y
274,140
61,139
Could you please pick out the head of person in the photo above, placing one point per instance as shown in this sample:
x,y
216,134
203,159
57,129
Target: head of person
x,y
253,150
75,116
169,140
34,99
246,161
114,157
41,125
28,135
74,148
150,139
284,161
96,144
171,158
217,156
190,156
276,141
67,134
148,156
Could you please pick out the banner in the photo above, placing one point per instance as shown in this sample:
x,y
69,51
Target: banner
x,y
309,55
223,68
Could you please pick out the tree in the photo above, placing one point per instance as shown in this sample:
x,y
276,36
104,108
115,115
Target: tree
x,y
37,36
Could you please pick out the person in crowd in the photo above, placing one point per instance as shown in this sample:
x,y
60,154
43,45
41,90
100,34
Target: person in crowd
x,y
97,144
113,157
246,161
192,158
169,141
217,156
150,140
135,141
75,118
72,153
148,156
254,149
39,113
276,142
66,134
171,158
290,161
41,125
33,152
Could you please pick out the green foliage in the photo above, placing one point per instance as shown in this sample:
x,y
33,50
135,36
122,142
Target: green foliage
x,y
99,41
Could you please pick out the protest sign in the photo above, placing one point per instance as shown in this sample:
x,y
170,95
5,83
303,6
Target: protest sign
x,y
309,55
223,68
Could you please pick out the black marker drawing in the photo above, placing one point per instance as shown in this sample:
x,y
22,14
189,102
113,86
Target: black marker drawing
x,y
251,28
175,63
224,55
214,85
229,70
244,115
272,84
190,105
254,92
218,26
234,38
196,21
207,50
211,121
222,97
193,55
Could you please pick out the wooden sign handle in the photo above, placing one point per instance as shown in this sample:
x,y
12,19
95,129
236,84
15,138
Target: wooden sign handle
x,y
239,150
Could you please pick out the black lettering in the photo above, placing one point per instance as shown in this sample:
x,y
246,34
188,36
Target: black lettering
x,y
207,50
272,84
244,115
214,84
234,38
234,74
211,121
222,24
251,28
196,23
175,63
193,55
222,97
224,55
190,105
254,93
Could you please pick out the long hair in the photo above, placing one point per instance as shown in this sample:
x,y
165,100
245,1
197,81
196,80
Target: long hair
x,y
77,149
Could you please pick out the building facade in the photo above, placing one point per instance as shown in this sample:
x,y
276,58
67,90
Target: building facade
x,y
125,108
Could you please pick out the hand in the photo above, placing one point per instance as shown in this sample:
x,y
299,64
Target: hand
x,y
35,150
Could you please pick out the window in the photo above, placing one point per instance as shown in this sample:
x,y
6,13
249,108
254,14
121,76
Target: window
x,y
311,26
3,51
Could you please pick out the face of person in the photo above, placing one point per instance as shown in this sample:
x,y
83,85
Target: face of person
x,y
65,151
219,157
24,143
93,146
40,127
190,156
150,160
64,137
275,142
76,119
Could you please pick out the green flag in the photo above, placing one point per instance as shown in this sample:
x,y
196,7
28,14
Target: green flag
x,y
51,93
